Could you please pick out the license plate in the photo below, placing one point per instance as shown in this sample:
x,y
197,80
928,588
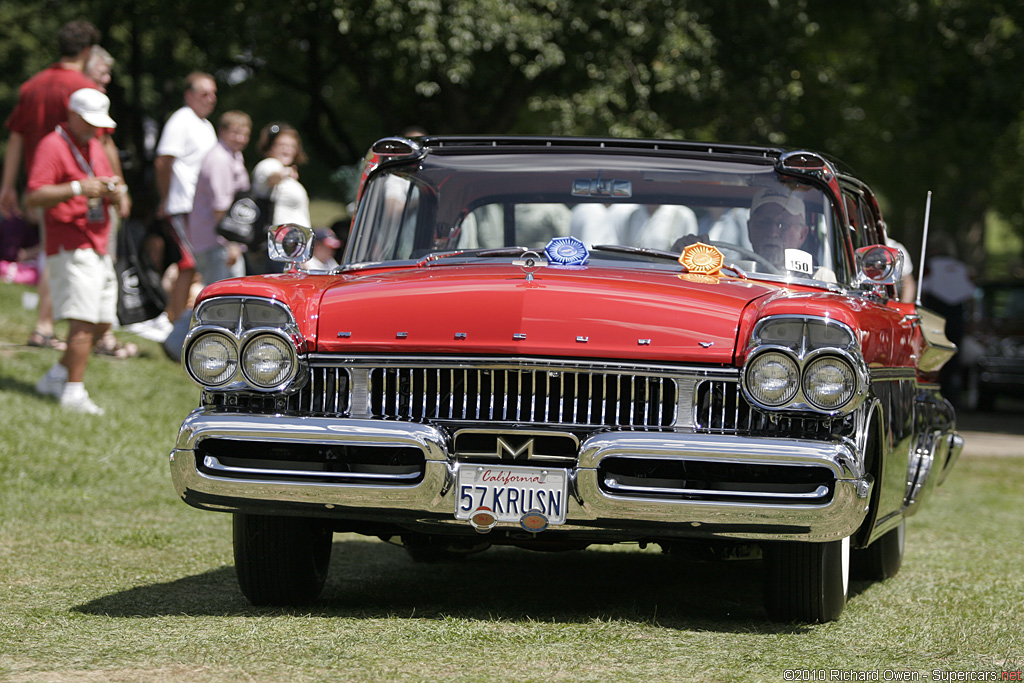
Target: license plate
x,y
513,494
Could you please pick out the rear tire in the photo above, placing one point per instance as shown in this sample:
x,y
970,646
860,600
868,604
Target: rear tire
x,y
882,559
281,560
806,582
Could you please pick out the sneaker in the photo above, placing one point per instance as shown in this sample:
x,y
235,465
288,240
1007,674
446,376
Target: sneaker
x,y
48,385
156,329
80,403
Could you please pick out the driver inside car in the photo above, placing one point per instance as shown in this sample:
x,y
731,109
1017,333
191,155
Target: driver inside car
x,y
778,233
776,224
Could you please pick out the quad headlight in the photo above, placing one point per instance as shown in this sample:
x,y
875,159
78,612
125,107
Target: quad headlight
x,y
829,382
773,379
212,359
268,361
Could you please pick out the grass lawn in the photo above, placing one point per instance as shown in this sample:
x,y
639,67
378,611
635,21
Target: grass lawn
x,y
106,576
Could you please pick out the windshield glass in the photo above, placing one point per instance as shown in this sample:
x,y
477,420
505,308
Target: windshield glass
x,y
764,223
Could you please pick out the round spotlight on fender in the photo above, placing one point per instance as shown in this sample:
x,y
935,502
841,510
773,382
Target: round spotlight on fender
x,y
772,379
829,383
212,359
268,361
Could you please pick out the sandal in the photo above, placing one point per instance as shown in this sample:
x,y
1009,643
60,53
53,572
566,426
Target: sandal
x,y
46,341
111,347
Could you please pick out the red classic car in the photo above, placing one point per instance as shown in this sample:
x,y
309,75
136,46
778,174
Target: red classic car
x,y
558,342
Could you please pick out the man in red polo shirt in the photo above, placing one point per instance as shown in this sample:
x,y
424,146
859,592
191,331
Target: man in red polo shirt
x,y
72,181
42,105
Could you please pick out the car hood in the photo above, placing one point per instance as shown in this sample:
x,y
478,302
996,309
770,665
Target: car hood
x,y
493,309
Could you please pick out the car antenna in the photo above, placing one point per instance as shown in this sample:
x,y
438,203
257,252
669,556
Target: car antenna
x,y
924,246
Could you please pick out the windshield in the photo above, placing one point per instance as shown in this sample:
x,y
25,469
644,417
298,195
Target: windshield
x,y
763,223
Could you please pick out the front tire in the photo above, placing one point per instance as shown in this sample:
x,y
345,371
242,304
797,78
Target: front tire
x,y
281,561
882,559
807,582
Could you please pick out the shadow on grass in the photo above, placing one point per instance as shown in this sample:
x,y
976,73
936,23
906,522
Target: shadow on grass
x,y
370,580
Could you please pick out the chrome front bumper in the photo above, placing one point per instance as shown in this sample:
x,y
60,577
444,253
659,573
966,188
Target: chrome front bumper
x,y
594,510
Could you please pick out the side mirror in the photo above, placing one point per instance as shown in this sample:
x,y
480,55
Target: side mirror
x,y
290,243
879,265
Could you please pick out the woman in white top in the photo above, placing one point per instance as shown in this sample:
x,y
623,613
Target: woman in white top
x,y
277,177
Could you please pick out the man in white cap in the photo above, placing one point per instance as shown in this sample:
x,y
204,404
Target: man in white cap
x,y
777,223
72,181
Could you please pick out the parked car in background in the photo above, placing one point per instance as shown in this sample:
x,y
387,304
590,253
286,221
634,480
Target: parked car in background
x,y
993,350
557,342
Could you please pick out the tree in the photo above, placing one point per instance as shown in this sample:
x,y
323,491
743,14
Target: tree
x,y
915,95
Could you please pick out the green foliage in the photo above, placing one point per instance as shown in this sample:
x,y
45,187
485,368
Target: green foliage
x,y
913,95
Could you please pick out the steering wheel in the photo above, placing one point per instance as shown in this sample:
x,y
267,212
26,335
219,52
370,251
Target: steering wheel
x,y
747,254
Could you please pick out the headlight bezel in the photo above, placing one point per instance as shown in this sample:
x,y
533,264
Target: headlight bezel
x,y
807,341
248,318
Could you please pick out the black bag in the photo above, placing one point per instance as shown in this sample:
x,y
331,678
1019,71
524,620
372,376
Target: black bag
x,y
140,294
247,220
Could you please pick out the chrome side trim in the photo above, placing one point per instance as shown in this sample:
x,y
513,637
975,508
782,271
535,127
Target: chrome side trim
x,y
817,494
212,463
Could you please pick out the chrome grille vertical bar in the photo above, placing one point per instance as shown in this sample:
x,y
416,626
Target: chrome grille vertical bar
x,y
632,400
398,392
659,402
519,396
465,392
725,407
561,396
494,396
604,398
711,405
479,392
451,393
647,401
423,391
437,392
590,396
337,388
504,406
323,395
736,417
618,397
533,395
547,396
576,397
407,408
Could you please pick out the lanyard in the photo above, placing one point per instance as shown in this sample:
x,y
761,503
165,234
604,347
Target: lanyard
x,y
82,163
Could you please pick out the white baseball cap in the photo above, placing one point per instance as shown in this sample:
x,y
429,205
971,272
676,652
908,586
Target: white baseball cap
x,y
778,195
93,106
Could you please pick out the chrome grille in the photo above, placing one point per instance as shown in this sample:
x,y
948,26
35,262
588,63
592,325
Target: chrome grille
x,y
531,395
326,392
720,408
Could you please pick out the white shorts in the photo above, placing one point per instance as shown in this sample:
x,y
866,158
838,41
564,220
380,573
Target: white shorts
x,y
83,286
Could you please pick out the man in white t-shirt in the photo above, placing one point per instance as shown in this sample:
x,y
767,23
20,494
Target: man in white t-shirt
x,y
187,136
